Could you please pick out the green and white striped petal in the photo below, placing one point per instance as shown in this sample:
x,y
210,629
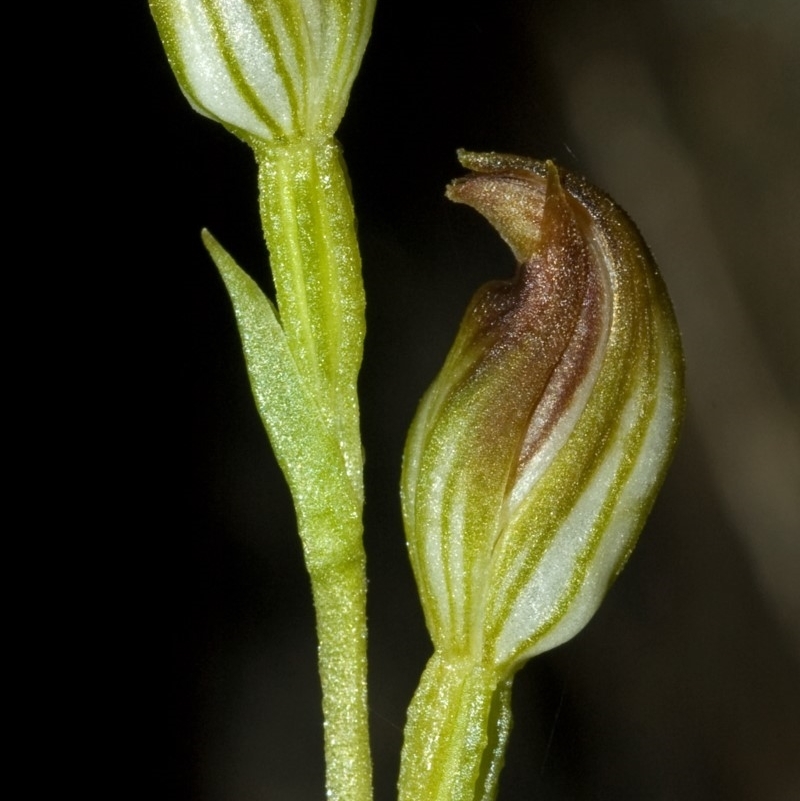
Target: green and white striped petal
x,y
270,70
536,454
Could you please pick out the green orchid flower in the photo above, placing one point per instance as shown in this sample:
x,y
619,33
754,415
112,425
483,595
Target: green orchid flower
x,y
534,457
275,71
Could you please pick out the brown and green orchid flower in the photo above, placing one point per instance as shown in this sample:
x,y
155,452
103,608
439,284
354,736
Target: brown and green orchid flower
x,y
534,457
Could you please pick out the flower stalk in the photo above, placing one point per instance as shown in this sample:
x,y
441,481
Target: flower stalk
x,y
456,732
308,219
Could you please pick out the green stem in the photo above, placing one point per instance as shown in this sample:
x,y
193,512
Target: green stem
x,y
309,225
458,725
340,602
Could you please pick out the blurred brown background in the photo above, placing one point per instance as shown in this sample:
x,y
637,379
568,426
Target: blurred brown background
x,y
687,684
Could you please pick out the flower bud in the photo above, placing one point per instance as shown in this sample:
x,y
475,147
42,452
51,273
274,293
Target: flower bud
x,y
268,70
536,454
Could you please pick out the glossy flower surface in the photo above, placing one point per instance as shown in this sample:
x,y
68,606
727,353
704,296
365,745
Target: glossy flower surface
x,y
536,454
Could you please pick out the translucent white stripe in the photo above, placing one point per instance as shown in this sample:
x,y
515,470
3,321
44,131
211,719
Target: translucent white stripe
x,y
539,598
211,87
